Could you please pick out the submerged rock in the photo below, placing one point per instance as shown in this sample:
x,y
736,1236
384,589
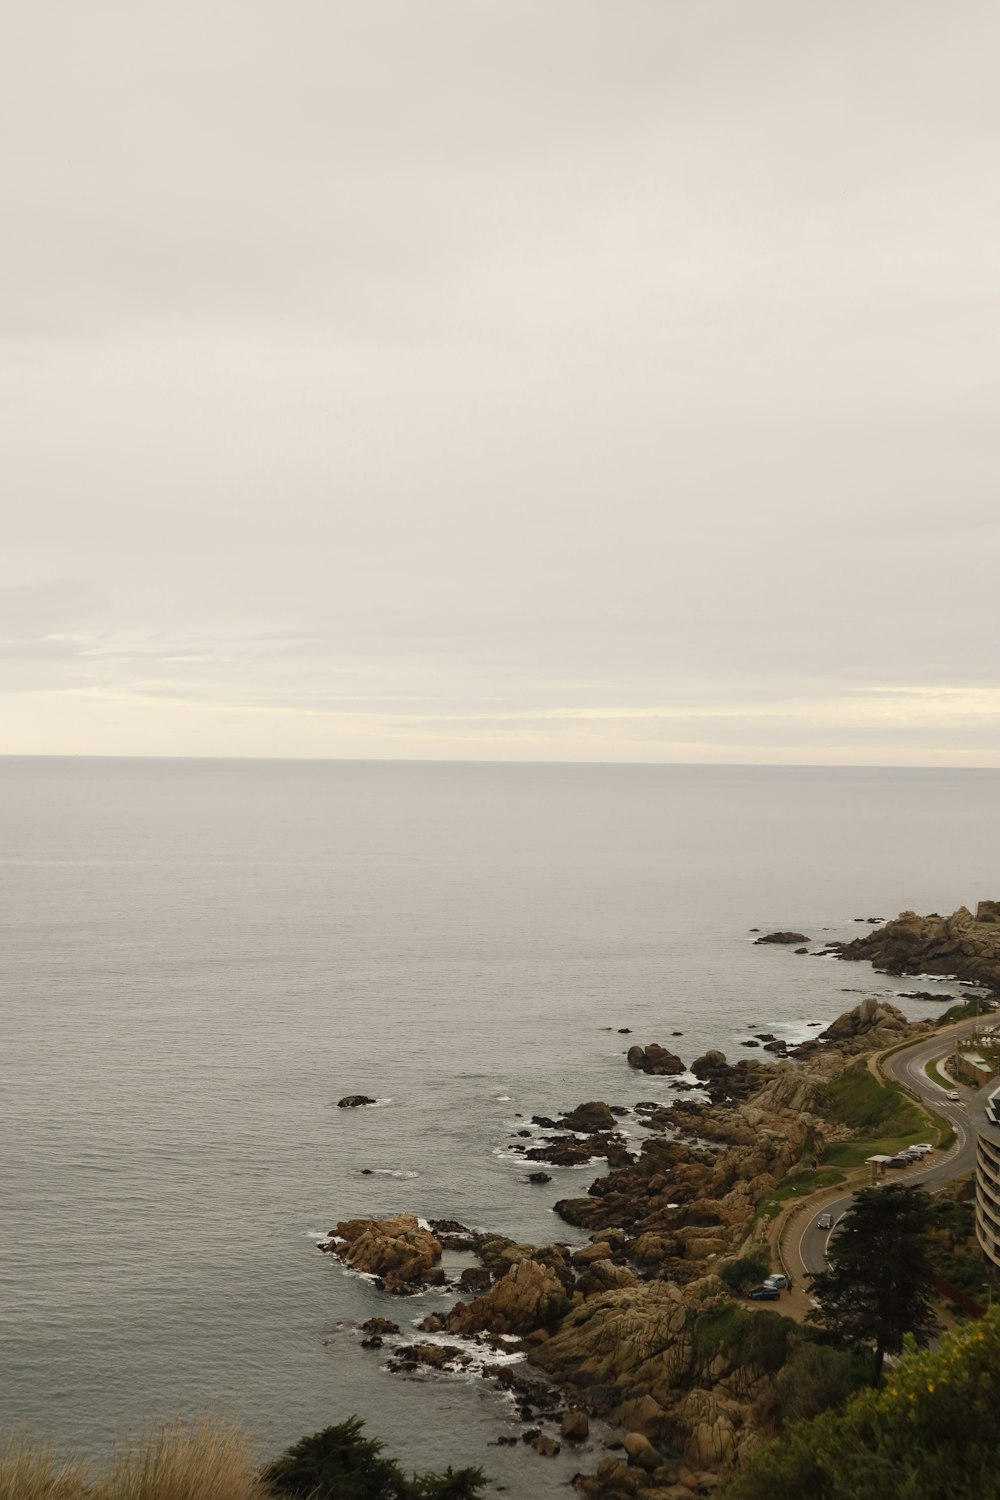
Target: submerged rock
x,y
354,1101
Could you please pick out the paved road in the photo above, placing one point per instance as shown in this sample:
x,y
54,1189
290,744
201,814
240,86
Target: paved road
x,y
809,1246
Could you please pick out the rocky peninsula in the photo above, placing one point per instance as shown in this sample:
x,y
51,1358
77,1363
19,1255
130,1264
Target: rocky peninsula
x,y
962,946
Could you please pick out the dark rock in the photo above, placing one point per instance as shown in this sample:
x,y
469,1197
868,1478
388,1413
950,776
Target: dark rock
x,y
380,1325
655,1060
374,1342
544,1122
539,1178
750,1044
476,1278
352,1101
787,938
764,1036
586,1118
802,950
624,1031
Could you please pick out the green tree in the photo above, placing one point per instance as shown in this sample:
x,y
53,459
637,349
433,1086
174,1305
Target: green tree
x,y
340,1463
877,1287
928,1431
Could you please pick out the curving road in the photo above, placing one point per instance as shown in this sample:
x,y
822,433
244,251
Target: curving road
x,y
810,1244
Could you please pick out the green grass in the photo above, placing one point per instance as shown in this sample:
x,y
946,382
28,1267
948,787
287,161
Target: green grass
x,y
933,1071
799,1185
967,1010
856,1153
856,1099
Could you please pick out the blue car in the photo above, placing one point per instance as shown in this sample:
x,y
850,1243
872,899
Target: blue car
x,y
765,1294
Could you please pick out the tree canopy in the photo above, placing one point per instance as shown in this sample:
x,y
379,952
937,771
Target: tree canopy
x,y
930,1430
876,1289
340,1463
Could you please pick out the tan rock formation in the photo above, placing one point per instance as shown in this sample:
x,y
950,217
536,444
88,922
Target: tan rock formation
x,y
396,1249
961,944
530,1296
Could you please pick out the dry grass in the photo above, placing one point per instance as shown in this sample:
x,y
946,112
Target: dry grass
x,y
29,1471
209,1461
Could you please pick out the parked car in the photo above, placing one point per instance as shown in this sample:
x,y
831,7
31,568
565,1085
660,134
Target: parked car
x,y
777,1280
825,1221
765,1294
900,1161
924,1147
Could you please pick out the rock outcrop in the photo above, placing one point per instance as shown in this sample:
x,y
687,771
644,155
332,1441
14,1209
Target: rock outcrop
x,y
398,1251
354,1101
869,1027
530,1296
783,937
963,944
590,1117
655,1059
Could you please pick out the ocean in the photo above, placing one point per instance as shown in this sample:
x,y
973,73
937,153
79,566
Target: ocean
x,y
199,958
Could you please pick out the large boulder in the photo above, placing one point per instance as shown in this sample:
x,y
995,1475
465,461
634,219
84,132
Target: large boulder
x,y
530,1296
655,1059
586,1118
398,1250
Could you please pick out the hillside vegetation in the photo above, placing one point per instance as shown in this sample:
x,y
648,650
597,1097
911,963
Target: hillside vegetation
x,y
929,1431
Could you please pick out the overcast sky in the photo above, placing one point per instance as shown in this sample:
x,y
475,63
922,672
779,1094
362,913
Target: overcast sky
x,y
505,379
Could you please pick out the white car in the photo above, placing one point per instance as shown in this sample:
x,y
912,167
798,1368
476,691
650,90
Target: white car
x,y
953,1094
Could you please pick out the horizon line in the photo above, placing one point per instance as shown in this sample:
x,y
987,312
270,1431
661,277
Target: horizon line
x,y
358,760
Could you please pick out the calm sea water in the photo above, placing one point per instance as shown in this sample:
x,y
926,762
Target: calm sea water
x,y
199,958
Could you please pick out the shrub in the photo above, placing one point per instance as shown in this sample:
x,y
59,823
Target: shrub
x,y
749,1270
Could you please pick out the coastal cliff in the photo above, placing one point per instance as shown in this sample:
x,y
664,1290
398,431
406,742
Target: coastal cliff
x,y
638,1328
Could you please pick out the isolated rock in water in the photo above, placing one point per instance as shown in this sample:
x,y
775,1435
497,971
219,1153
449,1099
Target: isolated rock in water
x,y
783,937
594,1115
396,1249
475,1279
539,1178
655,1059
545,1445
352,1101
575,1427
963,945
379,1326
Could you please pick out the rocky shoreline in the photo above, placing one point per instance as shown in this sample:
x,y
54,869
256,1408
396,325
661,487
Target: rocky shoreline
x,y
621,1329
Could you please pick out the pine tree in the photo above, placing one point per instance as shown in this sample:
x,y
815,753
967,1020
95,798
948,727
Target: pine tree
x,y
876,1289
